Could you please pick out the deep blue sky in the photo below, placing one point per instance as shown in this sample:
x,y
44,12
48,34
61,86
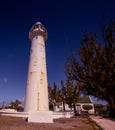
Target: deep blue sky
x,y
65,21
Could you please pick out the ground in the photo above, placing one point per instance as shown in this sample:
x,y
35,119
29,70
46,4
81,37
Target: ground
x,y
77,123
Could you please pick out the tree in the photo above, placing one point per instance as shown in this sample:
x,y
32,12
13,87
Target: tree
x,y
94,66
50,97
63,93
16,105
72,94
67,93
54,94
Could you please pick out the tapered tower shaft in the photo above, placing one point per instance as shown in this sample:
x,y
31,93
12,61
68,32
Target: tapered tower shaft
x,y
36,98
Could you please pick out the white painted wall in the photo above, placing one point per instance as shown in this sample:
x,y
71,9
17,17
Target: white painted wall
x,y
36,98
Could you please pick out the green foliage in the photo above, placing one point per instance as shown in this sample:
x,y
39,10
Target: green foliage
x,y
67,93
15,105
54,93
95,68
72,92
101,109
51,107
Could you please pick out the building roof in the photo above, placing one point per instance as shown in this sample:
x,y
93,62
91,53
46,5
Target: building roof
x,y
85,99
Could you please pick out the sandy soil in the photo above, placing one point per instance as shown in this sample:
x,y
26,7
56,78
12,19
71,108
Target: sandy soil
x,y
78,123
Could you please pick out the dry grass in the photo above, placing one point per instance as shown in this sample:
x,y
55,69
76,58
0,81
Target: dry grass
x,y
78,123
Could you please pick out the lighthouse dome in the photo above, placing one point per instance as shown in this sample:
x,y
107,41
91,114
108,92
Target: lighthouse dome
x,y
38,22
37,29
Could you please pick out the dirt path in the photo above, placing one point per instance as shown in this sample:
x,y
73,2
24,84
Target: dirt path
x,y
78,123
106,124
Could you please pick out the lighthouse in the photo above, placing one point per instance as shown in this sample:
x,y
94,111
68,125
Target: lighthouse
x,y
36,98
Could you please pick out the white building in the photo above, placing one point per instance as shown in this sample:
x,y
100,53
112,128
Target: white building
x,y
83,106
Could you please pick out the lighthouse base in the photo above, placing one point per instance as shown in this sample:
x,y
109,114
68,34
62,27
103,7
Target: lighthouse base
x,y
40,117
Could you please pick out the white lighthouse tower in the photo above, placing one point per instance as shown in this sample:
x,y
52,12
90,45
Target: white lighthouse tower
x,y
36,98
